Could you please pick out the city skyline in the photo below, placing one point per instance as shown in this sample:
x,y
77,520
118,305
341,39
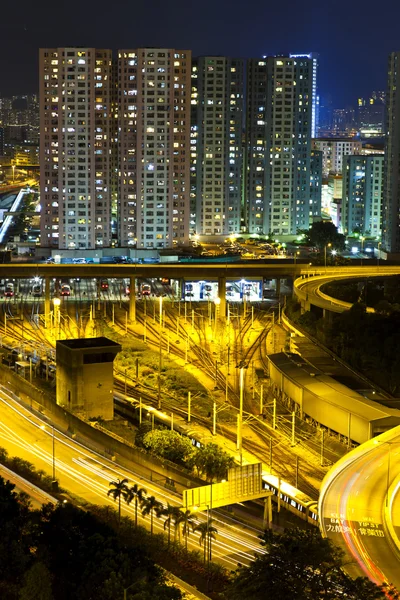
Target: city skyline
x,y
347,54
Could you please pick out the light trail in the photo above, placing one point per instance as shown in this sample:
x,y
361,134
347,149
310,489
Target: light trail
x,y
92,473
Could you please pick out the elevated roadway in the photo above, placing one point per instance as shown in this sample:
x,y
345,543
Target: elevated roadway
x,y
357,513
196,271
307,288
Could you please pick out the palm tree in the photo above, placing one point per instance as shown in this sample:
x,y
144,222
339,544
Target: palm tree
x,y
150,505
118,490
187,519
136,493
171,513
207,533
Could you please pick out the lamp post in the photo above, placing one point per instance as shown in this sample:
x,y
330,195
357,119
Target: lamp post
x,y
160,361
326,246
126,589
56,304
295,255
217,302
379,251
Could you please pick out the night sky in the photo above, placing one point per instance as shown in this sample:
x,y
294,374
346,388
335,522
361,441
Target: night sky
x,y
352,37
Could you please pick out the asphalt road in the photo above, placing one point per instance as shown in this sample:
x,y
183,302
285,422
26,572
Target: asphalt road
x,y
87,474
353,509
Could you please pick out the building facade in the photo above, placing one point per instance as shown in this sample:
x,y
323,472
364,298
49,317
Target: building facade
x,y
216,145
362,195
391,192
77,133
153,153
333,150
315,184
278,143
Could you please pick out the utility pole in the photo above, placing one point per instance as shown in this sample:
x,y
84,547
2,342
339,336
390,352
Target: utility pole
x,y
270,455
189,406
214,418
293,428
297,472
322,447
240,415
274,415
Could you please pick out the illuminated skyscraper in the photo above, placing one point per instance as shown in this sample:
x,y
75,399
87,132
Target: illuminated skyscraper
x,y
391,191
216,145
77,133
362,195
154,157
279,118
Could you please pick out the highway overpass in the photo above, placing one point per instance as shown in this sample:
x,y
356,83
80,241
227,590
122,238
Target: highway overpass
x,y
356,508
307,288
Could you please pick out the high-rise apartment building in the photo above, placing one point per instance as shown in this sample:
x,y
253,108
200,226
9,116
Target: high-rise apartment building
x,y
77,135
333,151
216,145
391,192
153,137
280,92
371,115
315,183
362,195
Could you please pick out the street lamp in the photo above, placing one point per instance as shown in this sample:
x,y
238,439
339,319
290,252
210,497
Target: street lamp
x,y
295,255
160,360
54,481
13,172
379,251
217,302
326,246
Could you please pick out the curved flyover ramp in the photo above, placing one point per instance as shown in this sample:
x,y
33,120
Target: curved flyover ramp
x,y
356,508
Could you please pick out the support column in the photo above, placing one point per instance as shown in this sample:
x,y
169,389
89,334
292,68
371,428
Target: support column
x,y
278,287
46,301
132,299
222,297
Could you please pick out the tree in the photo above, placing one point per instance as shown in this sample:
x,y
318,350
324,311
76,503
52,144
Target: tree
x,y
170,512
213,462
168,444
299,564
207,533
202,529
150,506
37,583
187,520
135,493
323,233
117,492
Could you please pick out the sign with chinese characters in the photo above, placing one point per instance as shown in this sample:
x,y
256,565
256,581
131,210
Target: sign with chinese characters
x,y
367,527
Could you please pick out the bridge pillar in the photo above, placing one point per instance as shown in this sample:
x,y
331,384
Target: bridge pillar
x,y
278,287
132,299
222,297
46,301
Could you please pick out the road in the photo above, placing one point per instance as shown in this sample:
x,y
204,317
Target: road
x,y
87,475
308,289
352,508
37,496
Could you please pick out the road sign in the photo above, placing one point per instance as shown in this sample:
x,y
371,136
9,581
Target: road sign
x,y
243,483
